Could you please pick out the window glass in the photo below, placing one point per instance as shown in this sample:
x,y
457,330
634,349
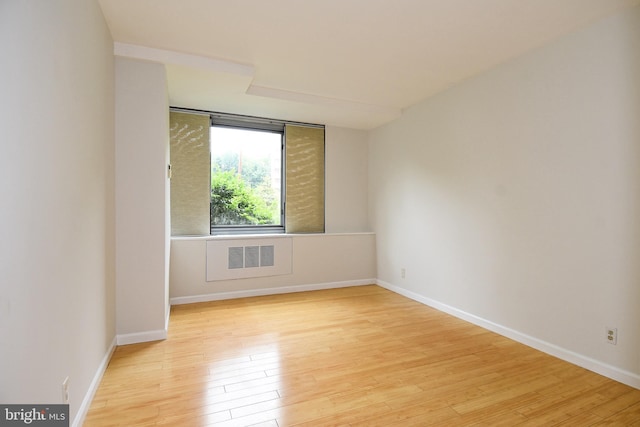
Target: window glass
x,y
246,177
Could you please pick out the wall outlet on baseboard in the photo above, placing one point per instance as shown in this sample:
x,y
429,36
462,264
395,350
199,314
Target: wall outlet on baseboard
x,y
612,335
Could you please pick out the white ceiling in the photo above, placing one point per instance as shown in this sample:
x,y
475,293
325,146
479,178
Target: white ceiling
x,y
351,63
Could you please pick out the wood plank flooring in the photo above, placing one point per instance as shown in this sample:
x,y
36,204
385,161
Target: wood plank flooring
x,y
360,356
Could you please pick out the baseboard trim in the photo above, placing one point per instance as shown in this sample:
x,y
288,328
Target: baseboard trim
x,y
93,387
609,371
139,337
269,291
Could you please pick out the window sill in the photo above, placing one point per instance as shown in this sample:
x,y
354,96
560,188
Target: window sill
x,y
266,236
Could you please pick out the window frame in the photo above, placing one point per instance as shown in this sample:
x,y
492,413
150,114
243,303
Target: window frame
x,y
239,122
249,123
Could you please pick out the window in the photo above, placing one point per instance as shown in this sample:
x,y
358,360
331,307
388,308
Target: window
x,y
235,174
246,179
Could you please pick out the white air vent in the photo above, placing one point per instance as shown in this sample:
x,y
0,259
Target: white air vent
x,y
266,256
236,257
250,256
244,258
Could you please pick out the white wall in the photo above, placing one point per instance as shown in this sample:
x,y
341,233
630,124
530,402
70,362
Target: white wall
x,y
57,315
515,196
346,180
142,138
318,261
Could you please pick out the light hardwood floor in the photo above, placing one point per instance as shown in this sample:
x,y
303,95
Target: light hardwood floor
x,y
360,356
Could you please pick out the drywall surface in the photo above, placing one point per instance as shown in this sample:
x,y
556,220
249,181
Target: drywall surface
x,y
346,180
515,196
57,297
142,138
317,261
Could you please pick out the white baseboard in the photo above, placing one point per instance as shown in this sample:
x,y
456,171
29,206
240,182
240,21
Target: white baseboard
x,y
93,387
139,337
269,291
609,371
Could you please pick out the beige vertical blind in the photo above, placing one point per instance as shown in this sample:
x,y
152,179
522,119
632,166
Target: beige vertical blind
x,y
190,173
304,209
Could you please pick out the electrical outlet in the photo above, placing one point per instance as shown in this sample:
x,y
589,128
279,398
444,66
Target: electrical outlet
x,y
65,390
612,335
403,272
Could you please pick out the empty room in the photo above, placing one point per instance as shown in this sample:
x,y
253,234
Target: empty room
x,y
321,213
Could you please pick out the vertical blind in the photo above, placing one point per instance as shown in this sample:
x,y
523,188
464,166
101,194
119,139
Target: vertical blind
x,y
304,208
190,173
